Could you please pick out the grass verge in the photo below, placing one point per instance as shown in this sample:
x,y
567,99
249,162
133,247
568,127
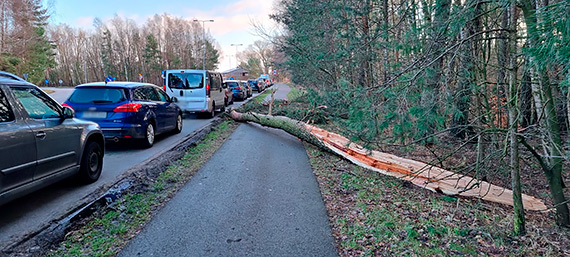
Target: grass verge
x,y
109,229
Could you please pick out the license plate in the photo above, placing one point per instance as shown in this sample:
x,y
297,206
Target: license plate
x,y
97,115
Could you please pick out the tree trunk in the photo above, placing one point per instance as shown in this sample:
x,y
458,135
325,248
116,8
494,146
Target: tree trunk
x,y
466,74
518,217
546,112
418,173
430,94
525,100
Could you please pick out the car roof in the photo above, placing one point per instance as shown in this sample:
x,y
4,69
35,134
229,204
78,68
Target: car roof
x,y
7,78
121,84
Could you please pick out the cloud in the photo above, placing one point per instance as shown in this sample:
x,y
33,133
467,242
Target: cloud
x,y
234,17
85,23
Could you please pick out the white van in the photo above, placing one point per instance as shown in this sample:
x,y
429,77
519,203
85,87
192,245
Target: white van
x,y
197,91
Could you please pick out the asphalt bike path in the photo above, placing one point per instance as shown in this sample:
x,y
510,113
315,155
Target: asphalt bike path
x,y
281,92
256,196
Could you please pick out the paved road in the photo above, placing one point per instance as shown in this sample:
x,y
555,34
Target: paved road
x,y
32,212
282,91
257,196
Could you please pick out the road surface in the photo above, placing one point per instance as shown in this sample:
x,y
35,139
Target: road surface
x,y
259,200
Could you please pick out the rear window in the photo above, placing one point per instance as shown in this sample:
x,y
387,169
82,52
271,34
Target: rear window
x,y
185,80
98,95
252,82
232,84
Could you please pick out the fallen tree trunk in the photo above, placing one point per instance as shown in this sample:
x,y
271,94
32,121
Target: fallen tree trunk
x,y
421,174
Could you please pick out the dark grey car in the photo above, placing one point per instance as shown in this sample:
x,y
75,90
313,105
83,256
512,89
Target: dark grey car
x,y
40,141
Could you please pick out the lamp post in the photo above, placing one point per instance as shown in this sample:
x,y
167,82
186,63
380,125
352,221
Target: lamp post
x,y
236,45
204,39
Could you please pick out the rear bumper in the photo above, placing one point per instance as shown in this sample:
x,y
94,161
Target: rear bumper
x,y
197,106
239,94
127,132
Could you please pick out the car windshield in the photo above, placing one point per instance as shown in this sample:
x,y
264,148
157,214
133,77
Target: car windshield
x,y
232,84
97,95
185,80
252,82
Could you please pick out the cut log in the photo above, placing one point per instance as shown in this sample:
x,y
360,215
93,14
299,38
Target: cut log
x,y
421,174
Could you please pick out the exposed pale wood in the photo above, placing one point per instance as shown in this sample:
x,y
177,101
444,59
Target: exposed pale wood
x,y
421,174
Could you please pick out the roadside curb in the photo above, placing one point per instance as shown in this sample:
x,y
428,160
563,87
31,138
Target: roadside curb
x,y
34,243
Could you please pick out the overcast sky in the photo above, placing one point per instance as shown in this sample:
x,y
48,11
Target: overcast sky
x,y
232,18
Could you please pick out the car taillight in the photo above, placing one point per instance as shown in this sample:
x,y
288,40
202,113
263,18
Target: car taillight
x,y
164,87
238,88
130,107
207,89
66,105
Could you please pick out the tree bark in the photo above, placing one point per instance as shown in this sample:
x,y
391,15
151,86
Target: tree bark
x,y
518,217
548,119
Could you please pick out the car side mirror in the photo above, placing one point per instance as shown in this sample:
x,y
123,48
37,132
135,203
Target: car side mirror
x,y
174,99
68,113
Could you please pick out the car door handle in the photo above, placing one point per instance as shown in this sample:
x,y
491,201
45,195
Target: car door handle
x,y
41,135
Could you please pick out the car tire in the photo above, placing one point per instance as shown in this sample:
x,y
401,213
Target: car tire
x,y
212,113
149,136
91,163
179,124
223,108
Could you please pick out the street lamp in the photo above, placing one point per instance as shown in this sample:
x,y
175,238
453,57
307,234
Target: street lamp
x,y
236,45
204,39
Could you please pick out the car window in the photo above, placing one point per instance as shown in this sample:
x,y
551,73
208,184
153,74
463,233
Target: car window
x,y
216,82
185,80
152,94
140,94
146,94
6,113
97,95
163,96
232,84
38,105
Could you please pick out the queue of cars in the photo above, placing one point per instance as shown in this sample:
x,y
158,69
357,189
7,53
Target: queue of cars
x,y
241,90
42,141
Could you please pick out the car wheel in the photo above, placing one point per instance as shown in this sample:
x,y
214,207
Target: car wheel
x,y
179,123
91,163
149,134
212,113
223,108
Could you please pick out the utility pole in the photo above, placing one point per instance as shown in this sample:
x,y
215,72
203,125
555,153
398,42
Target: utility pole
x,y
236,45
204,40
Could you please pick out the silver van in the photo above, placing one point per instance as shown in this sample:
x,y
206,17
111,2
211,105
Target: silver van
x,y
196,91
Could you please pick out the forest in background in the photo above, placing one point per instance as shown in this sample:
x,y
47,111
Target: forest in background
x,y
465,74
118,48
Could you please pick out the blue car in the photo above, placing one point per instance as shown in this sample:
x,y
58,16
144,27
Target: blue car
x,y
126,110
256,85
240,92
